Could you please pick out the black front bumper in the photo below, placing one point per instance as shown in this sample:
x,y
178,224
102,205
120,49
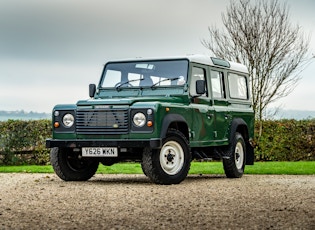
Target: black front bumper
x,y
152,143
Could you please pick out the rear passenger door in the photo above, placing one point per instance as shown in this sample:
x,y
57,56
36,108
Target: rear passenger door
x,y
239,97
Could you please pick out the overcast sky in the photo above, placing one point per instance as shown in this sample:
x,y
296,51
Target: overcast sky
x,y
51,50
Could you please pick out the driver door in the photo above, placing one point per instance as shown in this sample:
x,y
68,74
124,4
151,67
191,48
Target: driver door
x,y
203,112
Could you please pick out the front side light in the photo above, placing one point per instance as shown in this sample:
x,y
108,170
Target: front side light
x,y
68,120
56,124
139,119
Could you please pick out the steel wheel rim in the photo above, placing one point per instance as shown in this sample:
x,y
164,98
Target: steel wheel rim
x,y
171,157
239,155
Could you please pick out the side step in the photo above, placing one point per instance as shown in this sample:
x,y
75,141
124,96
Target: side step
x,y
201,155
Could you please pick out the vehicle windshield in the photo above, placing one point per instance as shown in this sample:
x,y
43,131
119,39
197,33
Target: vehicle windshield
x,y
141,74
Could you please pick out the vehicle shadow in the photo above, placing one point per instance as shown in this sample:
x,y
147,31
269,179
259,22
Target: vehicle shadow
x,y
142,179
120,179
195,177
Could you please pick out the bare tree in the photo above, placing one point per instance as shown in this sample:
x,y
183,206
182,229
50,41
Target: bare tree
x,y
260,36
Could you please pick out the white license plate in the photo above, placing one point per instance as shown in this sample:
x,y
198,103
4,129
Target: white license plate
x,y
100,152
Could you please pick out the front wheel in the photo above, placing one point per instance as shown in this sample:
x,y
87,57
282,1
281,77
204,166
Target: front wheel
x,y
234,163
70,166
171,163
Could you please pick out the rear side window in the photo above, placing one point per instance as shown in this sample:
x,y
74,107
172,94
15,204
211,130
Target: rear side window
x,y
238,86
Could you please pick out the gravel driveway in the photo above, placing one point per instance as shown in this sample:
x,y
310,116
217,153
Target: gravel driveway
x,y
43,201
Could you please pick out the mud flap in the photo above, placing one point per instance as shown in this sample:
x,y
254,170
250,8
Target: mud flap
x,y
249,154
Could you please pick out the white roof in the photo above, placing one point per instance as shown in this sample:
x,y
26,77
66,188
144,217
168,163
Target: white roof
x,y
197,58
204,59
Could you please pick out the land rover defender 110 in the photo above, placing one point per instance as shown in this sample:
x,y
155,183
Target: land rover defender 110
x,y
161,112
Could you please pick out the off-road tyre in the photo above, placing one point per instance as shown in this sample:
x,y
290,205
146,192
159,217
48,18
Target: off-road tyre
x,y
145,163
234,162
171,163
70,166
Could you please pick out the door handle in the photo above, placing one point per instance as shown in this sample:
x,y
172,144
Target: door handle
x,y
227,116
209,115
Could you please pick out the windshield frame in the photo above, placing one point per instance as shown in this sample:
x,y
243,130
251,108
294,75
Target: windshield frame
x,y
157,69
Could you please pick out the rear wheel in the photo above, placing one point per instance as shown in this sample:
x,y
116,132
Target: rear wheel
x,y
234,163
71,166
171,163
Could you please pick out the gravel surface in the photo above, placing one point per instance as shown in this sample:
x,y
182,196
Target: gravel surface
x,y
43,201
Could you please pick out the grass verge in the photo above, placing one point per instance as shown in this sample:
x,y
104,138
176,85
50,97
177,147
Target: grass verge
x,y
276,168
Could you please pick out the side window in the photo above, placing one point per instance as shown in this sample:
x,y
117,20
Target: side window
x,y
238,86
217,82
196,74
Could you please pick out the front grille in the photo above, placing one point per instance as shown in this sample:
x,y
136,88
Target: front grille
x,y
107,121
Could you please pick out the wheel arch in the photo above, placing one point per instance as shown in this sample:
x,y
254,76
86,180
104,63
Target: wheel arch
x,y
240,126
174,121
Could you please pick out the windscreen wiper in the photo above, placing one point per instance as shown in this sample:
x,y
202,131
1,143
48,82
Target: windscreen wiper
x,y
166,79
119,84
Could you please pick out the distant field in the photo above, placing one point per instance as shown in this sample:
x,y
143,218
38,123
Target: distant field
x,y
22,115
24,118
281,114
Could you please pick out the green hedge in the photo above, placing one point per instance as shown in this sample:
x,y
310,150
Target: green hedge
x,y
286,140
23,142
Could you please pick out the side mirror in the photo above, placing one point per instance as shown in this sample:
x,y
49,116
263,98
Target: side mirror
x,y
200,87
92,90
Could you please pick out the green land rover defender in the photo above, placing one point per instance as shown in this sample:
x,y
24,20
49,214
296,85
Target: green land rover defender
x,y
162,112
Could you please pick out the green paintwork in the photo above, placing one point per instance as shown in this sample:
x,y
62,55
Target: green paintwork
x,y
208,121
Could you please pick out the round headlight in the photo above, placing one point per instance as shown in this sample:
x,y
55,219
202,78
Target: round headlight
x,y
139,119
68,120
